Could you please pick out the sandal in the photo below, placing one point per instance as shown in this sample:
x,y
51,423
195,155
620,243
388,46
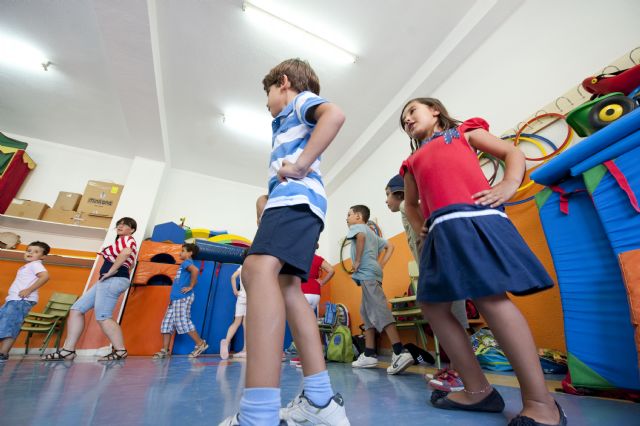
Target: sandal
x,y
528,421
115,355
162,353
58,356
493,403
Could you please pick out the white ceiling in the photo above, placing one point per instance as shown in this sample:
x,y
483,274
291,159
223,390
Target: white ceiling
x,y
152,78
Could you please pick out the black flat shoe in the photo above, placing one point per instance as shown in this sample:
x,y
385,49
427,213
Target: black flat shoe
x,y
493,403
437,394
528,421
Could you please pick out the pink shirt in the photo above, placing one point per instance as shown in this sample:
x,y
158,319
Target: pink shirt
x,y
25,277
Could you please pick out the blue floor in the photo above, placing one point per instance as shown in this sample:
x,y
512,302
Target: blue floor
x,y
181,391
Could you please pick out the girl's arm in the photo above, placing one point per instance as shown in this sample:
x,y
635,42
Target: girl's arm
x,y
514,161
328,269
412,204
234,278
43,277
193,270
122,257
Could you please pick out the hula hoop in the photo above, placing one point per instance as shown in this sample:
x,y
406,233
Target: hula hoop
x,y
344,268
564,144
534,136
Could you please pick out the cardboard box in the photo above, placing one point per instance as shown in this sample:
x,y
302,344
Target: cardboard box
x,y
26,208
100,198
84,219
59,216
67,201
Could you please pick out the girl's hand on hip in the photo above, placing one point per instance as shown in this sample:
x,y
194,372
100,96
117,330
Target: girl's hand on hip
x,y
497,195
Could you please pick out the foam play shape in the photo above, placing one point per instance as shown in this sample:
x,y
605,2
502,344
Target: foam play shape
x,y
599,335
223,253
222,238
182,343
558,168
144,312
168,231
625,144
151,251
630,266
150,273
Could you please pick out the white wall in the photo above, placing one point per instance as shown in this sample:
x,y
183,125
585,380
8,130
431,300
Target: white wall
x,y
65,168
208,202
544,49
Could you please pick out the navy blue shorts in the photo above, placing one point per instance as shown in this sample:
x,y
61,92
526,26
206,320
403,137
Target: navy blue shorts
x,y
474,251
291,234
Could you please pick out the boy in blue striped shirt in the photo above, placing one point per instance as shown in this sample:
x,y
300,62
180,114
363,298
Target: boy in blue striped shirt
x,y
281,254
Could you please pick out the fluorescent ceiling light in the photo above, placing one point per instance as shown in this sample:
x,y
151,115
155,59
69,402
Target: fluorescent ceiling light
x,y
314,43
22,55
248,122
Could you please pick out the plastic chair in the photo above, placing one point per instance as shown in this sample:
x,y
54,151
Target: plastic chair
x,y
409,315
51,321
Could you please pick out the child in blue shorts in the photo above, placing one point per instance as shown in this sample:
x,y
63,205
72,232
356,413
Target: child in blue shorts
x,y
23,295
281,254
178,315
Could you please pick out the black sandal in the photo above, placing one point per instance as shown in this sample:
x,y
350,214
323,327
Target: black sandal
x,y
528,421
115,355
58,356
493,403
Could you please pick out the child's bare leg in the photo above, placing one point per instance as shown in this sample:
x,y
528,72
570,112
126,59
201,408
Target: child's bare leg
x,y
303,325
195,337
6,344
370,338
166,341
265,321
244,333
75,327
456,342
392,333
512,333
231,331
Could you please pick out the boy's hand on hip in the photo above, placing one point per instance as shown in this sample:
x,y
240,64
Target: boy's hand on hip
x,y
23,294
290,170
184,290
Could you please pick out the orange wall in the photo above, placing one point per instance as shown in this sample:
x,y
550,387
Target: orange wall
x,y
66,279
543,311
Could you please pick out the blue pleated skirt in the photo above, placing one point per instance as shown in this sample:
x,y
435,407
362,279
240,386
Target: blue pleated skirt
x,y
474,251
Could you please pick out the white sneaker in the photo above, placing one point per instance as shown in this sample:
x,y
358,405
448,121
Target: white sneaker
x,y
234,421
301,411
399,363
364,361
230,421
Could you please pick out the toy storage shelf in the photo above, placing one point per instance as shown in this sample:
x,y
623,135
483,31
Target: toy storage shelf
x,y
52,259
58,235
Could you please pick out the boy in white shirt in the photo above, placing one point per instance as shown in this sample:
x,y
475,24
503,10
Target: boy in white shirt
x,y
23,295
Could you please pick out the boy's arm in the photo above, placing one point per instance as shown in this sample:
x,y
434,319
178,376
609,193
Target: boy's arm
x,y
328,269
193,270
412,205
388,251
360,239
234,277
43,277
329,118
